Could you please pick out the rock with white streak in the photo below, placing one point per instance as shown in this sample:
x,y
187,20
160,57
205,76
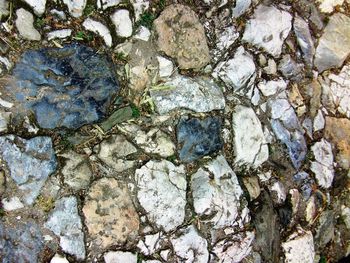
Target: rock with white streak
x,y
120,257
38,6
269,88
225,39
162,193
99,28
196,94
299,247
75,7
104,4
268,29
323,164
249,140
122,22
24,24
190,246
166,67
62,33
304,39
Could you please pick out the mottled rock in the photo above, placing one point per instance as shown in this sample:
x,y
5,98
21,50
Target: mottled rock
x,y
66,87
299,247
189,246
197,138
122,22
66,223
120,257
110,216
162,193
38,6
319,121
181,36
75,7
305,184
21,242
197,94
24,24
278,192
268,29
325,229
217,194
224,40
304,39
251,183
62,33
249,140
4,8
334,45
30,162
99,28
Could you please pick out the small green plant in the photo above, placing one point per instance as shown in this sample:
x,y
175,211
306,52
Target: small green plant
x,y
135,111
121,56
146,19
323,259
171,158
89,9
80,35
40,22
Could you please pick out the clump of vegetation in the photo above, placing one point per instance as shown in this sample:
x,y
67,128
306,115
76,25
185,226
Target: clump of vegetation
x,y
39,22
80,35
89,9
146,19
135,111
46,204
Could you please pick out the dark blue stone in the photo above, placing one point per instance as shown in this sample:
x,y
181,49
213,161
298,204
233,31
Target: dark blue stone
x,y
66,87
197,138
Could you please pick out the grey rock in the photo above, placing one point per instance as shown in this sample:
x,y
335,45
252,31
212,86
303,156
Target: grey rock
x,y
4,8
166,67
75,7
197,138
4,120
30,162
325,229
241,7
290,69
66,223
305,184
21,242
24,24
268,29
334,45
196,94
304,39
66,87
38,6
11,204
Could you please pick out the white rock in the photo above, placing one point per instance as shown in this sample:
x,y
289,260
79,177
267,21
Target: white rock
x,y
62,33
319,121
225,39
120,257
162,193
150,244
99,28
249,140
322,167
24,24
241,7
37,5
327,6
59,259
104,4
143,33
164,254
271,68
7,64
299,247
4,120
217,193
255,97
238,72
122,22
269,88
11,204
268,29
190,246
166,67
197,94
140,6
75,7
59,14
280,191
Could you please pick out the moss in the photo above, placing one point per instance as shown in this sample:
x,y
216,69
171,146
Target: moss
x,y
135,111
45,203
146,19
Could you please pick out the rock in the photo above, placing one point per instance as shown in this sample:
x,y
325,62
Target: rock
x,y
322,167
75,7
110,216
60,15
66,223
241,7
197,138
162,193
59,259
150,244
143,33
11,204
319,121
325,229
140,6
181,36
122,22
249,140
305,183
327,6
30,162
278,192
76,171
166,67
104,4
271,68
234,250
4,9
217,194
189,246
120,257
304,39
290,69
224,41
251,183
20,242
268,29
337,131
238,72
299,247
56,80
62,33
24,24
38,6
98,28
4,120
119,116
196,94
334,45
269,88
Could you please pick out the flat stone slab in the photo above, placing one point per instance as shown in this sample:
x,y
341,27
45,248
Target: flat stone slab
x,y
66,87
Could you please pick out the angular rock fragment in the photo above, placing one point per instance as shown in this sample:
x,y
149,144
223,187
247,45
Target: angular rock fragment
x,y
99,28
24,24
75,7
37,5
225,39
162,193
166,67
197,138
140,6
269,88
290,69
123,24
62,33
299,247
150,244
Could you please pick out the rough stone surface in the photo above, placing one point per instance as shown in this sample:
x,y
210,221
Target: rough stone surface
x,y
197,138
269,88
99,28
241,7
30,162
327,6
249,140
268,29
299,247
290,69
110,215
120,257
4,8
24,24
122,22
166,67
140,6
304,38
75,86
4,120
181,36
37,5
75,7
62,33
334,45
66,223
196,94
162,193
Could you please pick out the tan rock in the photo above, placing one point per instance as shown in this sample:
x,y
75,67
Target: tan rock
x,y
337,131
110,215
182,36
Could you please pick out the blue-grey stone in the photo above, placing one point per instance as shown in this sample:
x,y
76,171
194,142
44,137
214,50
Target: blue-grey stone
x,y
305,183
197,138
66,87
